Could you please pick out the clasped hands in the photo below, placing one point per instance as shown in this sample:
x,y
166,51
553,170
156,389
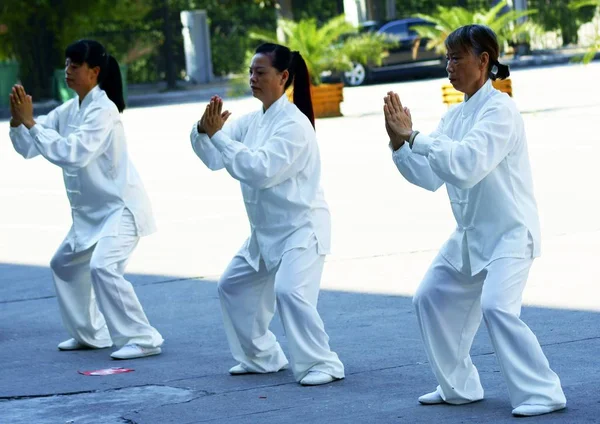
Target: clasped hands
x,y
214,117
21,107
398,121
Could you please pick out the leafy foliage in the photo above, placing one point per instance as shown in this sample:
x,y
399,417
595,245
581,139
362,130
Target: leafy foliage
x,y
560,15
595,47
447,19
230,21
321,10
409,8
37,32
368,48
324,48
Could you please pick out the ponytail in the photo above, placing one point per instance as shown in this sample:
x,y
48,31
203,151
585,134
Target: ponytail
x,y
302,96
111,82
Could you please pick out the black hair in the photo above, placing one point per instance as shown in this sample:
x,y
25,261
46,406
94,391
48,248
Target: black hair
x,y
94,54
479,39
282,58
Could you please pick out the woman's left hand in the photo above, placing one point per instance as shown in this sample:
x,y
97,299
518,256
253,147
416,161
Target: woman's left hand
x,y
22,106
214,119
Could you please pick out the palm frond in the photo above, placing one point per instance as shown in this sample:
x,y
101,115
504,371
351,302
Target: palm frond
x,y
578,4
322,47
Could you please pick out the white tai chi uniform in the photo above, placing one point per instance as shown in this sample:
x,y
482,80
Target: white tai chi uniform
x,y
110,211
479,151
275,157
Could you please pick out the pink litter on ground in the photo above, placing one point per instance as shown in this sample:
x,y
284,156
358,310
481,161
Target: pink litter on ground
x,y
107,371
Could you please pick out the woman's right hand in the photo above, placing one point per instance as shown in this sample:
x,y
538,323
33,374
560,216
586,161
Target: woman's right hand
x,y
224,115
14,121
201,128
200,125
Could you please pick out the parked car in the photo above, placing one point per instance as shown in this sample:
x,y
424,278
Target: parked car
x,y
409,56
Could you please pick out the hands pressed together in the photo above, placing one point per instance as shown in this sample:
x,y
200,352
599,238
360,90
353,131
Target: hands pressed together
x,y
398,121
214,117
21,107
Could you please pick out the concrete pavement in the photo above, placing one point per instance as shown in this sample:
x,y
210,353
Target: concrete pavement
x,y
385,233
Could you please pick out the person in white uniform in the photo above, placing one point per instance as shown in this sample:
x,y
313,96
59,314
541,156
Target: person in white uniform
x,y
110,208
274,154
479,151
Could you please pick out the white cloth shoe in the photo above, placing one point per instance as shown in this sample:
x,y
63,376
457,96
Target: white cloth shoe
x,y
72,344
132,351
532,410
433,398
316,378
239,369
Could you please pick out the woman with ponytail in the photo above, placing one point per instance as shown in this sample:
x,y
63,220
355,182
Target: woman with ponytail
x,y
274,154
109,206
479,151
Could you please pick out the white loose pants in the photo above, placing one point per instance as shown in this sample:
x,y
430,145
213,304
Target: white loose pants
x,y
99,307
449,306
248,301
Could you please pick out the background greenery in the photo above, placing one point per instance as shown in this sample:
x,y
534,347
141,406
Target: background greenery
x,y
146,35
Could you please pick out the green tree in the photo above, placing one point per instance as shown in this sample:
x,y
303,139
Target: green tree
x,y
324,48
595,47
151,53
447,19
410,8
230,22
320,10
143,34
557,15
37,32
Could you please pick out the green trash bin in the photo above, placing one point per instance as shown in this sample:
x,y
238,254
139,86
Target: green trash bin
x,y
9,76
63,93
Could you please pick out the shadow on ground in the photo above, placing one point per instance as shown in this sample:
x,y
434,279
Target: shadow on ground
x,y
375,336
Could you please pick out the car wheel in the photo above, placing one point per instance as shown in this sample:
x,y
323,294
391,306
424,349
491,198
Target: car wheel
x,y
356,76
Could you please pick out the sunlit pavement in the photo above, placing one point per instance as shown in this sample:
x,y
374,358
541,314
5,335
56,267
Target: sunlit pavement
x,y
385,233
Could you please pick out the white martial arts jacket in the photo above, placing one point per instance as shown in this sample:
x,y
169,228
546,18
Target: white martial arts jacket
x,y
88,142
479,150
275,156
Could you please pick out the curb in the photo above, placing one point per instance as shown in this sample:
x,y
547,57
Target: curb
x,y
203,93
545,59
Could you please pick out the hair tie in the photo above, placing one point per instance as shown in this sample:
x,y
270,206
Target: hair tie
x,y
495,67
494,70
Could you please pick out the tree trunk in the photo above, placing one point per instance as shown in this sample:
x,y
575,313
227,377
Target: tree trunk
x,y
377,9
36,56
283,10
168,46
390,10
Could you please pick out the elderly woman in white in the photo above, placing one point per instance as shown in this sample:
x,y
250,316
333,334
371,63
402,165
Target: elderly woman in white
x,y
109,205
479,151
274,154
